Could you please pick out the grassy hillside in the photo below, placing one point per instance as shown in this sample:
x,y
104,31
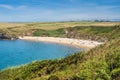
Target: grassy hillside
x,y
19,29
56,25
7,25
99,33
100,63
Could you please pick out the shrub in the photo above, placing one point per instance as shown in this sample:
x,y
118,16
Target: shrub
x,y
74,77
53,77
115,74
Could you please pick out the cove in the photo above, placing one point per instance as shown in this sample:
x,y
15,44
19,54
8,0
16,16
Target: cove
x,y
17,52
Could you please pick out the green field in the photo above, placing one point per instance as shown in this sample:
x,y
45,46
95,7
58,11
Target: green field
x,y
100,63
82,30
56,25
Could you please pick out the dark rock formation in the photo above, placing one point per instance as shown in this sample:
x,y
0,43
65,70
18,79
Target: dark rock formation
x,y
4,36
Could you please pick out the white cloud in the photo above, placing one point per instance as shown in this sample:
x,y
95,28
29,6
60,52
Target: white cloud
x,y
21,7
12,7
106,7
30,13
6,6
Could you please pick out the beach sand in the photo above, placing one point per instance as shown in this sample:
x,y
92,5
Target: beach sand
x,y
87,44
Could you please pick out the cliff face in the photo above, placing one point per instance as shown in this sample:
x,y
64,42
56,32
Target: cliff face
x,y
4,36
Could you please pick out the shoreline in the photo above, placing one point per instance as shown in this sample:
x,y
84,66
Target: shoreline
x,y
85,44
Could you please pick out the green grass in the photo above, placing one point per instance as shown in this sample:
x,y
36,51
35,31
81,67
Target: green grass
x,y
53,33
50,28
100,63
99,33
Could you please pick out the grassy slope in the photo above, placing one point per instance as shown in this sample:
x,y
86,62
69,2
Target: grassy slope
x,y
101,33
100,63
28,28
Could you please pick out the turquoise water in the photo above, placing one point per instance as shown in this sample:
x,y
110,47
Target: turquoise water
x,y
14,53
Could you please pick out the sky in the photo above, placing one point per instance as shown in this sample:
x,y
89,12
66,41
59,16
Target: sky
x,y
58,10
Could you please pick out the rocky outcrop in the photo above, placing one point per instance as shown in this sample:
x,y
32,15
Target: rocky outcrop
x,y
4,36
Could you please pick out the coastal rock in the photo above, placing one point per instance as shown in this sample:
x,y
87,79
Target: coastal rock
x,y
4,36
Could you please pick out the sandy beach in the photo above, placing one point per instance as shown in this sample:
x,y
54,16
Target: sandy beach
x,y
72,42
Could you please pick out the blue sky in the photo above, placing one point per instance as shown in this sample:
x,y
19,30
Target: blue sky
x,y
58,10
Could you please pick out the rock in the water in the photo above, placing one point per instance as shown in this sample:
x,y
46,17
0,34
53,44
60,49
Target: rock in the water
x,y
3,36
